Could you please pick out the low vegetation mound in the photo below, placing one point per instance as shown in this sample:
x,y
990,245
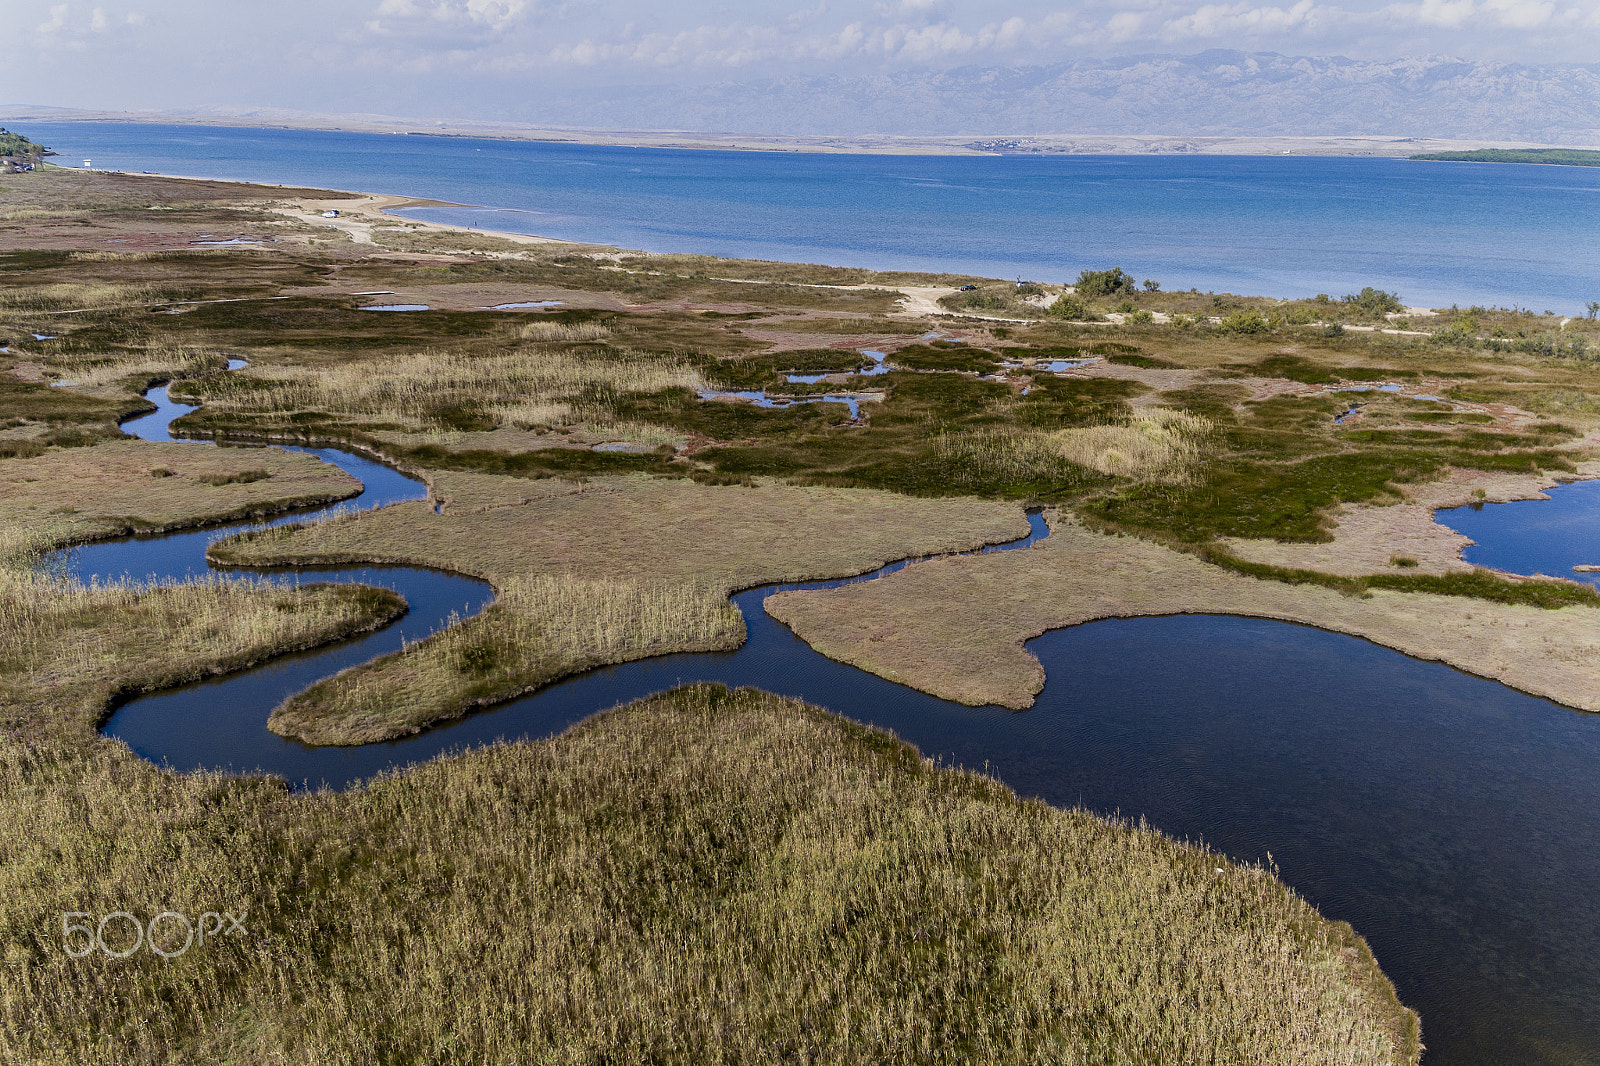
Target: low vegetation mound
x,y
539,629
703,876
130,485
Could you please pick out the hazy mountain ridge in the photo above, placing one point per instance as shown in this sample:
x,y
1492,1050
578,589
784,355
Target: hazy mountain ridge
x,y
1216,93
1241,102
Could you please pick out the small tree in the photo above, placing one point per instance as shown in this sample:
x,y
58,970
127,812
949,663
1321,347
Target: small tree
x,y
1245,322
1151,285
1594,308
1376,302
1067,307
1092,283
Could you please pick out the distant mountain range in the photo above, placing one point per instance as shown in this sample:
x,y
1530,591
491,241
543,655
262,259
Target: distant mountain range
x,y
1214,101
1216,93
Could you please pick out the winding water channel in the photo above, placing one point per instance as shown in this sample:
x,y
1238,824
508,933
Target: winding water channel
x,y
1453,821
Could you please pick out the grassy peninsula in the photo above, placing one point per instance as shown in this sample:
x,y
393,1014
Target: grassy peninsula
x,y
706,874
1566,157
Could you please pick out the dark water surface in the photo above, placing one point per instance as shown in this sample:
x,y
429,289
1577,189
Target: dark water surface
x,y
1439,233
1454,822
1535,536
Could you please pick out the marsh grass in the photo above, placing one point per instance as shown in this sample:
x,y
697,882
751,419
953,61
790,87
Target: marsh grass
x,y
1549,594
565,332
460,390
703,877
609,570
539,629
112,488
59,637
1155,444
70,296
1003,454
140,366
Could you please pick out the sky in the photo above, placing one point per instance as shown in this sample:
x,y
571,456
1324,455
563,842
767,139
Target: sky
x,y
497,58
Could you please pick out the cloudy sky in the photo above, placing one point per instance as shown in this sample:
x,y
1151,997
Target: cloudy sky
x,y
494,58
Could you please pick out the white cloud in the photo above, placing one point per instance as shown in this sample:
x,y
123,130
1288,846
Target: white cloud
x,y
485,19
1219,20
1125,26
75,25
1520,14
1449,14
57,21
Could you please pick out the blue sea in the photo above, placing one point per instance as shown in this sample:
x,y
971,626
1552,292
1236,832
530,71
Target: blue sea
x,y
1284,226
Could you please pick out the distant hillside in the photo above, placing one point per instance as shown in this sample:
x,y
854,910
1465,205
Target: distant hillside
x,y
16,146
1567,157
1216,93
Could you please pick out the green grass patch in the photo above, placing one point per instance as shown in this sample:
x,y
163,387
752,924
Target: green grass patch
x,y
1566,157
1451,418
1478,584
1295,368
1275,501
942,357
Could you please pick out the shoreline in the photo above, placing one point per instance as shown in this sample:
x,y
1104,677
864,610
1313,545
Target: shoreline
x,y
982,143
373,208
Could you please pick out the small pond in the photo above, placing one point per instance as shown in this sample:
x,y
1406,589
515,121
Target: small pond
x,y
1534,536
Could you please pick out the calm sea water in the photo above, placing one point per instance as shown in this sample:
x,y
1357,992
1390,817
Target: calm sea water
x,y
1438,233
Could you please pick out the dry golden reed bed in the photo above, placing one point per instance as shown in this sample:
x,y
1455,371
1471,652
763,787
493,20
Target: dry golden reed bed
x,y
703,877
537,384
539,629
1153,444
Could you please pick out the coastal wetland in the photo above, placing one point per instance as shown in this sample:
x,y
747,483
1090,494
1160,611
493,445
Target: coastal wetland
x,y
561,463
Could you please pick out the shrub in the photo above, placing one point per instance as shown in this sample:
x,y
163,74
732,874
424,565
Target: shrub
x,y
984,301
1141,318
1068,307
1376,302
1092,283
1244,322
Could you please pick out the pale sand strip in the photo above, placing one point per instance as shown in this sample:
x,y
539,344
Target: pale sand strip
x,y
955,627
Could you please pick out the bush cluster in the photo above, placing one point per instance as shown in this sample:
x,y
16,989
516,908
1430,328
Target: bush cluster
x,y
1095,283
